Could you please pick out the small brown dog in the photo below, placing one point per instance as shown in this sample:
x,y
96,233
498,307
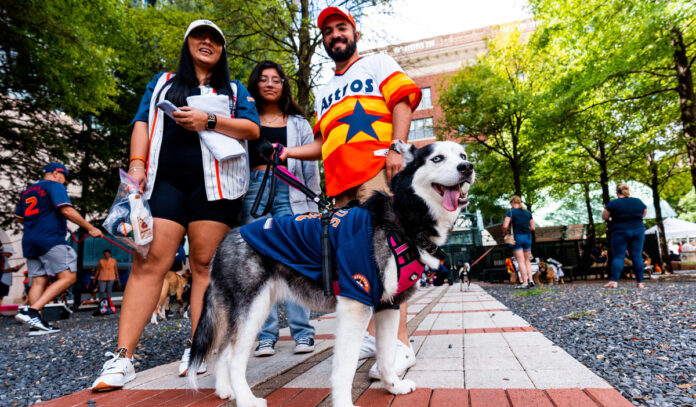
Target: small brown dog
x,y
173,284
548,274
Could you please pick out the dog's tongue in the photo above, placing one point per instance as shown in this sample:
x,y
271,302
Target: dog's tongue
x,y
450,199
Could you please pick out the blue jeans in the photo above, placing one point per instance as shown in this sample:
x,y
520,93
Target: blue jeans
x,y
280,205
633,240
298,316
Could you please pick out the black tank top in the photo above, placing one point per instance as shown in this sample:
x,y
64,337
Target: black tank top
x,y
272,135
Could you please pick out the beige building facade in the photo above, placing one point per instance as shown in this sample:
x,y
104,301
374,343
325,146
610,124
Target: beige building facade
x,y
430,61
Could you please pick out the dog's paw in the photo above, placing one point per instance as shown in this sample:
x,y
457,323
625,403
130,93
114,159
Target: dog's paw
x,y
401,386
224,394
224,391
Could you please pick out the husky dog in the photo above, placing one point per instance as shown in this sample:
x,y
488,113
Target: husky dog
x,y
428,193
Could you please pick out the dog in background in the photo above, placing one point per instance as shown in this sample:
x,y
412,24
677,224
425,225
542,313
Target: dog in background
x,y
464,275
551,272
429,193
174,285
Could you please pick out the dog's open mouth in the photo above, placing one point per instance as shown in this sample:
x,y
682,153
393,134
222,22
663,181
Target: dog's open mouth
x,y
453,196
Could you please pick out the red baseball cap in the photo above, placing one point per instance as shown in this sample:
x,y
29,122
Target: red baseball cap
x,y
334,11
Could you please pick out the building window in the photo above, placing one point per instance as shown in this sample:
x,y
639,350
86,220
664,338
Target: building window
x,y
426,101
421,129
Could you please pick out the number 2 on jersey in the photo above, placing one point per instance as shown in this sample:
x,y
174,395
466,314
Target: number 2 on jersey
x,y
31,206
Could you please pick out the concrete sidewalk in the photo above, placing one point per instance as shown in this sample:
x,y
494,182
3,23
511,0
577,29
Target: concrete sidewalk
x,y
471,351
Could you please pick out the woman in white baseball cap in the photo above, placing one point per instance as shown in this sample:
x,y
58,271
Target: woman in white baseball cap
x,y
189,191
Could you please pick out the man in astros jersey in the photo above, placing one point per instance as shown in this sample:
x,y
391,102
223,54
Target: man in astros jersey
x,y
360,114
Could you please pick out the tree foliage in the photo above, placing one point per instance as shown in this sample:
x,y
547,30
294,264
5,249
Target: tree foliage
x,y
492,103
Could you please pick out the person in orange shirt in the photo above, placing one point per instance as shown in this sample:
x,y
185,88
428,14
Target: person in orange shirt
x,y
106,275
361,113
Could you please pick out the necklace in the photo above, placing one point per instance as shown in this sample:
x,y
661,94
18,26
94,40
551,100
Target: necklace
x,y
274,119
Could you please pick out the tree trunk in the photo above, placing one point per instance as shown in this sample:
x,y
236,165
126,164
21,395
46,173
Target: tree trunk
x,y
304,61
664,250
687,99
516,176
591,236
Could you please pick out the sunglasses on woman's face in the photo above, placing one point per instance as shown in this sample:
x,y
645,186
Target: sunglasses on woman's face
x,y
276,81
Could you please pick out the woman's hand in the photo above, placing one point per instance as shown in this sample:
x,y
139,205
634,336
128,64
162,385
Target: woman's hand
x,y
138,174
191,119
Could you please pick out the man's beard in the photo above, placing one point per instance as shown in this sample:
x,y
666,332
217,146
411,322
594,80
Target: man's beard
x,y
348,51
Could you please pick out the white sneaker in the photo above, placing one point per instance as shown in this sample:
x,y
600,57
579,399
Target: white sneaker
x,y
116,372
368,348
405,358
183,366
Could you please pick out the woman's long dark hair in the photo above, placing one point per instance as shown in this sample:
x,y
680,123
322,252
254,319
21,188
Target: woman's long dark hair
x,y
286,103
185,78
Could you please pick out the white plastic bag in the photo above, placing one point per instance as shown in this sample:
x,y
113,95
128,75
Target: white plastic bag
x,y
129,218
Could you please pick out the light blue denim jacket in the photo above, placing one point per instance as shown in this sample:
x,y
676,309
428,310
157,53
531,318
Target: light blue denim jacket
x,y
300,133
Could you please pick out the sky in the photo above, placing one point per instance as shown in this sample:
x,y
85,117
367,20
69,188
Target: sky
x,y
411,20
416,19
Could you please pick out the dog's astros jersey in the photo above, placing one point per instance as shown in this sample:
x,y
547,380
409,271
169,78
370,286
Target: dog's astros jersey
x,y
295,242
354,118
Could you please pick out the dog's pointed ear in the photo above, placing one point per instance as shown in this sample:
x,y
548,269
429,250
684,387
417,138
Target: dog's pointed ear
x,y
408,152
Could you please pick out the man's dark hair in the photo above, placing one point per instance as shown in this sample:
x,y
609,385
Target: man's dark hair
x,y
107,251
185,79
286,103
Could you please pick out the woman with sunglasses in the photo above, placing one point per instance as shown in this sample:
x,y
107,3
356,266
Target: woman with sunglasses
x,y
283,122
188,189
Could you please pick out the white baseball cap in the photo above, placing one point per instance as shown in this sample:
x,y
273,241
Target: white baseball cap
x,y
205,23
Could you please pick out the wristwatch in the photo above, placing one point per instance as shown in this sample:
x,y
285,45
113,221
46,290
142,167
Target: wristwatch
x,y
393,148
212,122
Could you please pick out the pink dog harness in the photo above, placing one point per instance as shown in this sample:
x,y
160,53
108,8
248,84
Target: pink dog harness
x,y
408,263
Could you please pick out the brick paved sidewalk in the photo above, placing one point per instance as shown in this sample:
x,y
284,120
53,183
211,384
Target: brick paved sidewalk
x,y
471,351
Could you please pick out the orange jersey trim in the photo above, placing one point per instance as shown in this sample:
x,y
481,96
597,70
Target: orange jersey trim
x,y
152,130
217,176
347,68
397,86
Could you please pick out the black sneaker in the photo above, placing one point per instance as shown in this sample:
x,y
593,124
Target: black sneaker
x,y
531,284
304,345
266,348
31,317
48,329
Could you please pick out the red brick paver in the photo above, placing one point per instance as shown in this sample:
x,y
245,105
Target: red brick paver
x,y
608,397
570,398
450,398
488,398
528,397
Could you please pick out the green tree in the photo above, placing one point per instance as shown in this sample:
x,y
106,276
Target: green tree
x,y
492,103
635,48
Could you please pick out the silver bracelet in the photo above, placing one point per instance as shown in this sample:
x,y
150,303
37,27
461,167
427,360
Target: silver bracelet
x,y
136,168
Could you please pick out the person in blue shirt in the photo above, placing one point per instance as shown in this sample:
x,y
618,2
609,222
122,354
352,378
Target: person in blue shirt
x,y
522,225
44,208
627,231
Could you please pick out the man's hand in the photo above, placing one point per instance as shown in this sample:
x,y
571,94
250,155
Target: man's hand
x,y
394,163
94,232
191,119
